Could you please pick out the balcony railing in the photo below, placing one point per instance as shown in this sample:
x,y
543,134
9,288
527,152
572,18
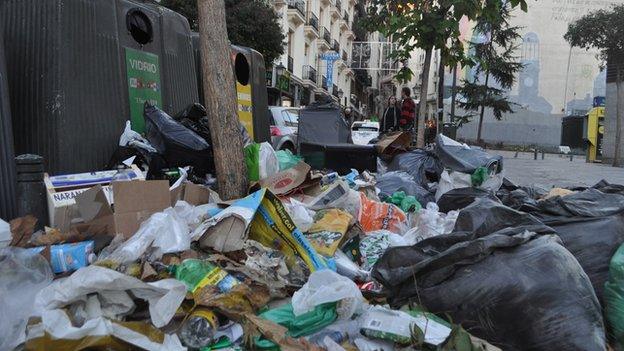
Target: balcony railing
x,y
339,5
326,35
324,81
312,20
335,90
344,56
336,46
291,64
298,5
309,73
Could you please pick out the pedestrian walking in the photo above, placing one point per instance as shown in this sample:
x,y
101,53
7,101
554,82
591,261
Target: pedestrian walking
x,y
348,116
391,116
408,109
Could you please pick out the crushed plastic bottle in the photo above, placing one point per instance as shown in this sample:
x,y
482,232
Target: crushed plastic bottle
x,y
199,328
196,274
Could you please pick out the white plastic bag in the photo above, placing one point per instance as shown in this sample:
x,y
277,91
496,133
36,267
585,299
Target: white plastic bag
x,y
5,234
131,138
300,214
269,164
164,232
22,275
429,223
328,286
450,180
108,295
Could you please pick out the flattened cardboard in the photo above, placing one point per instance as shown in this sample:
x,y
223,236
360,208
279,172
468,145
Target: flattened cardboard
x,y
287,180
393,143
194,194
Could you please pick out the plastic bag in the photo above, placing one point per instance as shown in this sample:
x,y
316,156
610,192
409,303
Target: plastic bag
x,y
391,182
429,223
269,164
22,275
614,297
591,226
304,324
252,161
179,145
261,161
423,166
302,216
326,286
483,276
463,158
406,203
131,138
164,232
287,159
450,180
381,216
459,198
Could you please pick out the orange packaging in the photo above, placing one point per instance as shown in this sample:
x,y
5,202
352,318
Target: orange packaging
x,y
380,215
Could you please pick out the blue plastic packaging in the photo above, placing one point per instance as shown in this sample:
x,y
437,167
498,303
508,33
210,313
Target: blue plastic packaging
x,y
69,257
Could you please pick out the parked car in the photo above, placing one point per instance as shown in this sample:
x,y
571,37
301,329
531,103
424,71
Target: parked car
x,y
362,132
284,125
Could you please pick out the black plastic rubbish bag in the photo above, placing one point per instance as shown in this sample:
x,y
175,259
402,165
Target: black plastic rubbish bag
x,y
422,165
459,198
591,226
179,145
461,158
519,289
391,182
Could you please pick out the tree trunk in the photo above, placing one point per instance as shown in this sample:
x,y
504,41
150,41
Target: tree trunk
x,y
482,112
618,117
440,123
221,101
422,106
453,94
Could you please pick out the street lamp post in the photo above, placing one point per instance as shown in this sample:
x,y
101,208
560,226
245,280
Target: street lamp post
x,y
279,71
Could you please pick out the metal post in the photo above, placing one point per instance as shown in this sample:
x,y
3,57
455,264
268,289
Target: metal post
x,y
535,154
31,191
542,154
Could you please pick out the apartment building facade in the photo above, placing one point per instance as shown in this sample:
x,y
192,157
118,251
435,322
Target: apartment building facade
x,y
314,30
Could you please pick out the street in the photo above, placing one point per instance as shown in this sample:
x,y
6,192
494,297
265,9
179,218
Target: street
x,y
556,170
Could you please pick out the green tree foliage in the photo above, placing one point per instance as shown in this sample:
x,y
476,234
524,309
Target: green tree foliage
x,y
495,63
250,23
426,24
604,30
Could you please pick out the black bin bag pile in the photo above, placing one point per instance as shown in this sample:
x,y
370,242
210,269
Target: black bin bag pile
x,y
591,226
505,276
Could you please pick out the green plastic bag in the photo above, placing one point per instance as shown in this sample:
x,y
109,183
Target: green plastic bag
x,y
407,203
614,297
479,176
252,160
306,324
287,160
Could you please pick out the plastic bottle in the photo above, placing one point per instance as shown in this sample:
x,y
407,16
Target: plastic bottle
x,y
199,328
198,273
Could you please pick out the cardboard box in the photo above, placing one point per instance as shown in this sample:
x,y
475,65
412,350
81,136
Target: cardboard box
x,y
62,191
134,203
194,194
285,181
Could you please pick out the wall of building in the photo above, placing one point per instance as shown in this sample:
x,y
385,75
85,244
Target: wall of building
x,y
305,44
557,80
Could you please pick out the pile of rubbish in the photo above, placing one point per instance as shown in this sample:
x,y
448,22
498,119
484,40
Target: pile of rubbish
x,y
434,251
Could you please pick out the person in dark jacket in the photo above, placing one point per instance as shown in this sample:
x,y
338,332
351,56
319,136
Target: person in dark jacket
x,y
408,109
391,116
